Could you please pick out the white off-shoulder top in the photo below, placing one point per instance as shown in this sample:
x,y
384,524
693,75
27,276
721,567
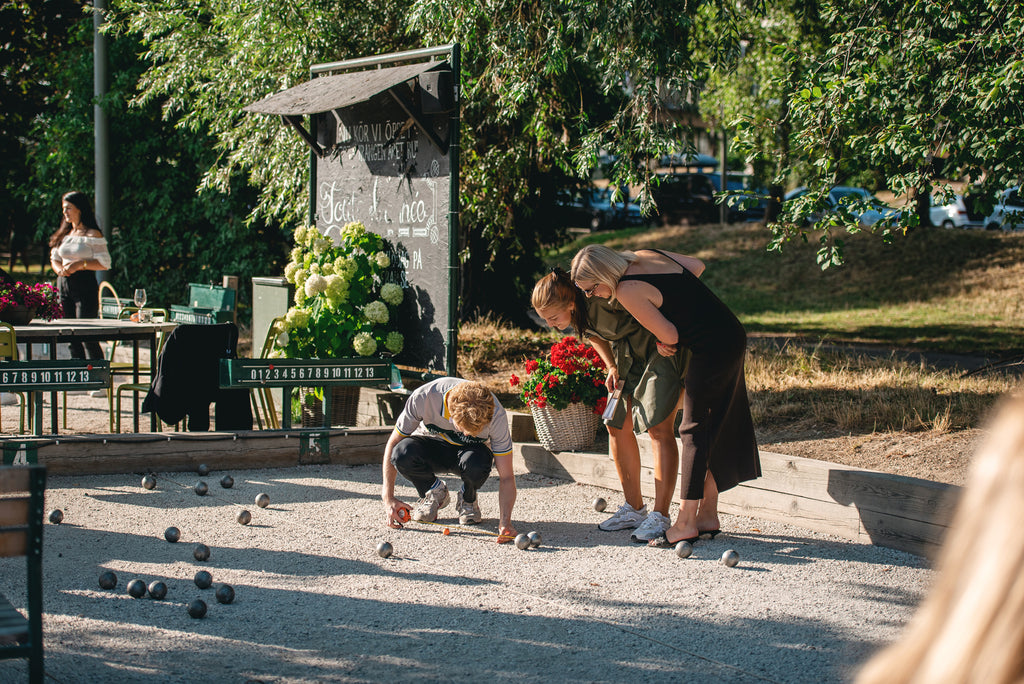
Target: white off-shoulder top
x,y
81,248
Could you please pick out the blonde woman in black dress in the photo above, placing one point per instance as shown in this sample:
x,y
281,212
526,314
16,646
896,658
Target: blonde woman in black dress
x,y
719,449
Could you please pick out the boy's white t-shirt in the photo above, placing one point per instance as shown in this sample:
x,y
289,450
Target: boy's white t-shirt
x,y
426,414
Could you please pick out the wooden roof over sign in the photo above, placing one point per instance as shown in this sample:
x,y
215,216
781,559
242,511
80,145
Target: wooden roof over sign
x,y
327,93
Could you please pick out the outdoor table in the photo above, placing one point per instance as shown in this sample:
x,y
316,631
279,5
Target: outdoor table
x,y
66,330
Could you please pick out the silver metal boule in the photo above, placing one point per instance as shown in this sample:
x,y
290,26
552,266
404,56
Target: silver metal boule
x,y
384,549
522,541
534,538
684,549
262,499
600,504
244,517
730,558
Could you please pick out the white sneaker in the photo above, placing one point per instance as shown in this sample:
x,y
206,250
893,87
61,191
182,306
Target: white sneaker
x,y
652,527
435,499
469,513
626,518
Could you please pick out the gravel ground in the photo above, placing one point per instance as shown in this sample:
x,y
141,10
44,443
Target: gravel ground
x,y
315,603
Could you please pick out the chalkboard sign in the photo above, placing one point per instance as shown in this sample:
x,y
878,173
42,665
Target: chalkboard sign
x,y
254,373
384,170
47,376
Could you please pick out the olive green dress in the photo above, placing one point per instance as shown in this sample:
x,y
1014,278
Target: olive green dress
x,y
653,381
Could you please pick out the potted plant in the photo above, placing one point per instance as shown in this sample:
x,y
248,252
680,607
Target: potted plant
x,y
343,305
21,302
566,394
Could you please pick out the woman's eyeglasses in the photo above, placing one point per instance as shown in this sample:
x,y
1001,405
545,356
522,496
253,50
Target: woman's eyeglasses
x,y
589,292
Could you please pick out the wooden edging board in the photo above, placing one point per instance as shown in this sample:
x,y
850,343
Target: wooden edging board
x,y
182,451
861,505
864,506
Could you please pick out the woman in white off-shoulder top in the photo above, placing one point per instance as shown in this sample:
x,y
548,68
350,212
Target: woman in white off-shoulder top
x,y
77,250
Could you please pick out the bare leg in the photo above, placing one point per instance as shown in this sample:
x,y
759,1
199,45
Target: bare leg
x,y
626,453
666,463
707,513
686,522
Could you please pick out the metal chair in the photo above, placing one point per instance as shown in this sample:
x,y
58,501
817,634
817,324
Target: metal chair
x,y
125,368
263,398
9,350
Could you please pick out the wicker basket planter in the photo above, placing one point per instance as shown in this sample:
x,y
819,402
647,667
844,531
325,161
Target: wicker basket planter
x,y
570,429
344,407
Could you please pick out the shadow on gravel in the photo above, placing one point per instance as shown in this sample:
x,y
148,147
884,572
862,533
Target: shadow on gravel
x,y
311,636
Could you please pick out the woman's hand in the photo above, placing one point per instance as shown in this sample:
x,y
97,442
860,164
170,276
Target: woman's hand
x,y
612,380
667,349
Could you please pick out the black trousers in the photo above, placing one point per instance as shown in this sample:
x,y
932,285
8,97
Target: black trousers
x,y
79,297
418,459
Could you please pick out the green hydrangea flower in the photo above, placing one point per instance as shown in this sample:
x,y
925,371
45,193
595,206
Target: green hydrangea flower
x,y
364,344
315,285
395,342
289,271
297,318
392,294
377,312
383,260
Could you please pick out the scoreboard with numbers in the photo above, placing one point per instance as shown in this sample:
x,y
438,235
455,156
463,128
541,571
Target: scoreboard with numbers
x,y
49,376
255,373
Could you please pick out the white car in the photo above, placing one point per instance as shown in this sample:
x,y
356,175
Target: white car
x,y
956,214
841,195
1008,213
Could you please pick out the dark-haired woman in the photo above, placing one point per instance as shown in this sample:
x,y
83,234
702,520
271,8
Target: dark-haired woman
x,y
77,250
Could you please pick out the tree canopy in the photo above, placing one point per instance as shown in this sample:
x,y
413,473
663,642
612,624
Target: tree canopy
x,y
912,93
545,86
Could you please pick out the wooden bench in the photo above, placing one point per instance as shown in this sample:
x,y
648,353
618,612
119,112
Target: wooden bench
x,y
21,534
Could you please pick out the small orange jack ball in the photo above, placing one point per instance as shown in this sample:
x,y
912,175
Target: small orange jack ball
x,y
403,515
446,531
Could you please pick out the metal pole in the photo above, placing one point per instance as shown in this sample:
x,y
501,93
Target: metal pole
x,y
101,126
723,208
454,209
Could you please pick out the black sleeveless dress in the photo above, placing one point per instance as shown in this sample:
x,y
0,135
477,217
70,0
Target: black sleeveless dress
x,y
717,432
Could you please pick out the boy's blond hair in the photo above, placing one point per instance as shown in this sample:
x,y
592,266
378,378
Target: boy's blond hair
x,y
471,405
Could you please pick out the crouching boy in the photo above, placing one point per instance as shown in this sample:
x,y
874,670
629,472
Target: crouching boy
x,y
455,426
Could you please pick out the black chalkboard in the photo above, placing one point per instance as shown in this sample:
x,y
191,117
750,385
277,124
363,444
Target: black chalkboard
x,y
382,169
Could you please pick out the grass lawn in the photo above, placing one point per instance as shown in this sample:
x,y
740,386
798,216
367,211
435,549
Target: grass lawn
x,y
954,291
933,290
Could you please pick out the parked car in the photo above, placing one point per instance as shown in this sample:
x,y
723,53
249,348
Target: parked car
x,y
959,213
874,209
688,160
593,209
1008,213
753,207
686,197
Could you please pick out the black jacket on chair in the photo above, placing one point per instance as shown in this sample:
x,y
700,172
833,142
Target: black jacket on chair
x,y
187,380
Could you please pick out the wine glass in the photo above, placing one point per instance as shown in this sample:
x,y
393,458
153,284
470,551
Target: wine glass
x,y
140,298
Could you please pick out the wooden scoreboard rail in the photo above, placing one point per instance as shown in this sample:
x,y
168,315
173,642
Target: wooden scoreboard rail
x,y
259,374
38,377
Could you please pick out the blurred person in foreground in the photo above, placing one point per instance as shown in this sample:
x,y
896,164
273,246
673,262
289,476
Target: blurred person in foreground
x,y
970,628
450,425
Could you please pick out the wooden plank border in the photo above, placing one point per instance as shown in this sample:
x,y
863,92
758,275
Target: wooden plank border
x,y
861,505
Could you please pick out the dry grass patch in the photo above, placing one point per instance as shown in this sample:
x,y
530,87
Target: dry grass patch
x,y
798,387
792,387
